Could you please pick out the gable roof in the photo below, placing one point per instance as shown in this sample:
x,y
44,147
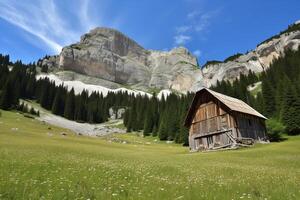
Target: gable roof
x,y
233,104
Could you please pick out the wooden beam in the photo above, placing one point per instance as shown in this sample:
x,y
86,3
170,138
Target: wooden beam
x,y
199,135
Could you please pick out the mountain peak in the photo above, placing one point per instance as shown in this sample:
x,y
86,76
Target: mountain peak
x,y
110,55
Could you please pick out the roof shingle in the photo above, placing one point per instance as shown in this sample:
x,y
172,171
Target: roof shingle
x,y
235,104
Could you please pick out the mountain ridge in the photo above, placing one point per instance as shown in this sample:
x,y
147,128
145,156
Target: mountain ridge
x,y
110,55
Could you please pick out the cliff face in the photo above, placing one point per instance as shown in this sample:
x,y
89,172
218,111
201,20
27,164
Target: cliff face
x,y
256,60
109,55
176,69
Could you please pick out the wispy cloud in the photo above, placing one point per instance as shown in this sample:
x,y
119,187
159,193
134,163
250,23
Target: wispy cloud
x,y
183,29
203,21
42,19
196,23
181,39
84,17
192,14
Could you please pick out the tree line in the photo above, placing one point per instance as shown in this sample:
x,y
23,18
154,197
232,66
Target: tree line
x,y
163,118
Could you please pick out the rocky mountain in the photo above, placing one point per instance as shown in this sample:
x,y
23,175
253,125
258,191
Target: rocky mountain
x,y
111,59
107,54
256,60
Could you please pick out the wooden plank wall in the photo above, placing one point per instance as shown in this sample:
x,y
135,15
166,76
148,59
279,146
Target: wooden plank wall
x,y
218,140
210,117
250,126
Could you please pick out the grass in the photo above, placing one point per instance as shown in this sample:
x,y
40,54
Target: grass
x,y
37,162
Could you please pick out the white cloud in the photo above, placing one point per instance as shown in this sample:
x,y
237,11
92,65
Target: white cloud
x,y
204,21
197,52
42,19
84,17
192,14
197,22
181,39
183,29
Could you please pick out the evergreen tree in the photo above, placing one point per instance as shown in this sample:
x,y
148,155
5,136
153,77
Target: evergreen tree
x,y
269,98
291,110
70,105
148,124
6,97
59,102
163,129
126,118
44,94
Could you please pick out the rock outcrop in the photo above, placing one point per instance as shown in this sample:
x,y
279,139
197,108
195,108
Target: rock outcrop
x,y
257,60
112,57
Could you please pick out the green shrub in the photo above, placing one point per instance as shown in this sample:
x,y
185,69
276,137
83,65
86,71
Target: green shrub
x,y
275,129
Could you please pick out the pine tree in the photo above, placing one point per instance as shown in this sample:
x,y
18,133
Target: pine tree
x,y
59,101
148,124
268,94
70,105
291,110
3,75
163,129
80,106
126,118
30,87
6,97
44,94
129,121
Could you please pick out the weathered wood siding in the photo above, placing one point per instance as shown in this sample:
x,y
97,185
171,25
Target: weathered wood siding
x,y
212,126
210,117
211,141
250,126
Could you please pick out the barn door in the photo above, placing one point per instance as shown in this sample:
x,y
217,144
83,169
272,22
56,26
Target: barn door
x,y
210,142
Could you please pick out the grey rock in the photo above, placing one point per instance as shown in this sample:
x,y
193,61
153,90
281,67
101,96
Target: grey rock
x,y
116,113
257,60
108,58
109,55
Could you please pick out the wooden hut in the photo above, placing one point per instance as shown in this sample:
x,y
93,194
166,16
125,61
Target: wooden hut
x,y
217,121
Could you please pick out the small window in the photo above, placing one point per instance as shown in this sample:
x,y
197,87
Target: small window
x,y
249,122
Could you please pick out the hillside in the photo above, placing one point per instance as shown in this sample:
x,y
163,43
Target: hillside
x,y
256,60
37,162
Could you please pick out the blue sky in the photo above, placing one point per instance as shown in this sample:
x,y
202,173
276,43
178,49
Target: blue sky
x,y
211,29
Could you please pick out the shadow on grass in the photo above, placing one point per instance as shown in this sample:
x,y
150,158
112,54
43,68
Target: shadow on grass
x,y
278,138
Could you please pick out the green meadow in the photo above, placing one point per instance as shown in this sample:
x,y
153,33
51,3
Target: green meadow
x,y
37,161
